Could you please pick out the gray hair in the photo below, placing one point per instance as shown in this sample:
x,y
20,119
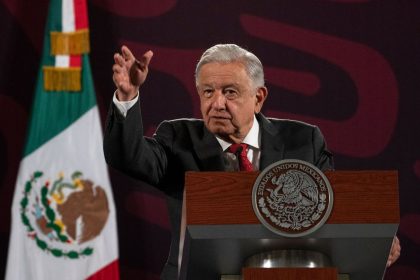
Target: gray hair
x,y
227,53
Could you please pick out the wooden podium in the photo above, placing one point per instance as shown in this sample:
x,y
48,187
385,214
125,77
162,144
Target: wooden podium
x,y
220,230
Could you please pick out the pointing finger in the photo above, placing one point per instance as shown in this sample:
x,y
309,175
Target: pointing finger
x,y
119,60
126,53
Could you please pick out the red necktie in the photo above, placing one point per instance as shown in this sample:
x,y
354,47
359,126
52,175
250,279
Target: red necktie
x,y
240,150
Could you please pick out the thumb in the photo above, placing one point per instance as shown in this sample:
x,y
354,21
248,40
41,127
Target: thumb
x,y
144,61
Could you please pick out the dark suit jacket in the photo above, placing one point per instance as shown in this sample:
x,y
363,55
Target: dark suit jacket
x,y
186,145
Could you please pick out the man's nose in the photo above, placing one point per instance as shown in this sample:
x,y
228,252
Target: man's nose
x,y
219,102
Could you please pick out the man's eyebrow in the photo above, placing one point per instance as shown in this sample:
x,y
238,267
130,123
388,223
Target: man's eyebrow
x,y
206,85
235,85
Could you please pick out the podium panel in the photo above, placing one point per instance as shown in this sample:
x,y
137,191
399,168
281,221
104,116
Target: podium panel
x,y
220,229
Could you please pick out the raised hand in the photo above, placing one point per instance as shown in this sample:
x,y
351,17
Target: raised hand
x,y
129,73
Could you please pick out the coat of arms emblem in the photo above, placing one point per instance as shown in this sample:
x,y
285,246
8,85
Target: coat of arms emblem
x,y
292,198
62,216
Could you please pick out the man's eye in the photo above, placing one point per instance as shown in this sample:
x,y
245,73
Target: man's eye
x,y
207,92
230,93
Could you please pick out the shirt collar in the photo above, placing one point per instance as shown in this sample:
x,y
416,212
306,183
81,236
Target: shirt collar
x,y
252,138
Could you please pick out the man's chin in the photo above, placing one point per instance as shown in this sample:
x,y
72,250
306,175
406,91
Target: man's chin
x,y
221,131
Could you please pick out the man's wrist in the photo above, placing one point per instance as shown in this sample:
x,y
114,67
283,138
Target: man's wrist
x,y
124,106
126,97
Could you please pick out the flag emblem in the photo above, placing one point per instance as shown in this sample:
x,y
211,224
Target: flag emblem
x,y
64,215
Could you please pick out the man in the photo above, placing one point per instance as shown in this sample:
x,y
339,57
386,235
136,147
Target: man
x,y
230,84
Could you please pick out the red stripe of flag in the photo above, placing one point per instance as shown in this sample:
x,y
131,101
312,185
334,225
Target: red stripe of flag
x,y
109,272
81,22
80,14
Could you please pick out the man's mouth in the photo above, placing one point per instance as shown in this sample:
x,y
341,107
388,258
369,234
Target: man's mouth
x,y
220,117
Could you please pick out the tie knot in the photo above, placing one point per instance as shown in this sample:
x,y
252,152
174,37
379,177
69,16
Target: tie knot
x,y
240,149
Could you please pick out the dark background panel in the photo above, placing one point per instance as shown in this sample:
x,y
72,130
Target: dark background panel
x,y
351,67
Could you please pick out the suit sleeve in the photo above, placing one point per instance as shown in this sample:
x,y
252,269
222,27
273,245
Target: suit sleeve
x,y
129,151
323,158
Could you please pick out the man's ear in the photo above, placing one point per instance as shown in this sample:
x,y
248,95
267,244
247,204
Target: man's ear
x,y
260,97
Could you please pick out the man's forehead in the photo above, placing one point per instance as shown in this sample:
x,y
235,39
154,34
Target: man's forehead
x,y
218,66
215,74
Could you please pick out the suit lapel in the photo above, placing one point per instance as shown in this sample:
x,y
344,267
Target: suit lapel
x,y
272,145
209,152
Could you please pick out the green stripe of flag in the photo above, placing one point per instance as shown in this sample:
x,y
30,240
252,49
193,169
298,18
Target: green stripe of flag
x,y
54,111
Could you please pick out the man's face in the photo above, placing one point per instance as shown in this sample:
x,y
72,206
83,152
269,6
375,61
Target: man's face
x,y
228,100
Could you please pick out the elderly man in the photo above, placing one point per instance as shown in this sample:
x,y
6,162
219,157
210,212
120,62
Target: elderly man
x,y
233,134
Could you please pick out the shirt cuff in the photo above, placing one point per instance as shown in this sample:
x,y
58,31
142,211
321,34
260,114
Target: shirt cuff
x,y
124,106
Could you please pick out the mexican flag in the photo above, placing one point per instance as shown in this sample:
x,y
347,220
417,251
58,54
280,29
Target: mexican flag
x,y
63,213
